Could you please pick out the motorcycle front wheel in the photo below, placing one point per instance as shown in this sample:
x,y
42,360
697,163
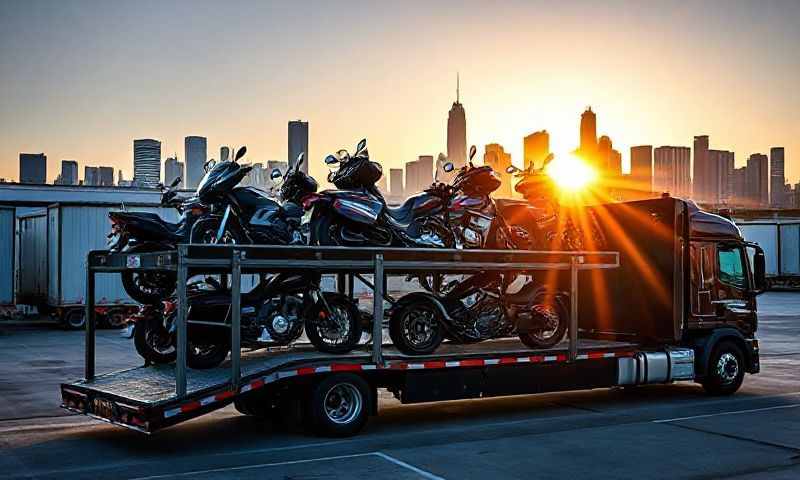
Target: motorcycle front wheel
x,y
552,319
333,326
153,342
148,288
416,328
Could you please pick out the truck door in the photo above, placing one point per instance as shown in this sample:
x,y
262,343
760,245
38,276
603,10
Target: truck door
x,y
732,300
703,267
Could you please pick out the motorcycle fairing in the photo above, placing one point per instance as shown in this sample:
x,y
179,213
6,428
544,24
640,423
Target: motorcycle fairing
x,y
355,206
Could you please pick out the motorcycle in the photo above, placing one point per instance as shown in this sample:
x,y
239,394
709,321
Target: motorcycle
x,y
274,313
481,306
356,214
141,232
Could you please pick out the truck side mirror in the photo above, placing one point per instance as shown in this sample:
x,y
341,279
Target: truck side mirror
x,y
759,270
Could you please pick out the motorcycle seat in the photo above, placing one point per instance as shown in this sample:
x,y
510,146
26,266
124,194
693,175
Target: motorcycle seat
x,y
150,217
524,295
403,214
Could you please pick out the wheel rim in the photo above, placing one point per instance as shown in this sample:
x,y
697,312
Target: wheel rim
x,y
551,320
343,403
334,326
727,368
159,341
420,327
76,319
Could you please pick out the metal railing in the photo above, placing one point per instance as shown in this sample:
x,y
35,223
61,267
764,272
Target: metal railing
x,y
346,262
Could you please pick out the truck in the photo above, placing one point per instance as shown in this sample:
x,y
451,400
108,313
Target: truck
x,y
780,240
672,297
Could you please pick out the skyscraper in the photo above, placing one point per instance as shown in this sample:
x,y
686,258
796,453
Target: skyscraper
x,y
671,171
588,132
719,166
69,173
91,176
738,187
396,183
536,147
298,143
642,168
105,176
457,131
195,153
497,158
172,170
424,172
777,177
146,162
412,177
758,179
32,168
701,177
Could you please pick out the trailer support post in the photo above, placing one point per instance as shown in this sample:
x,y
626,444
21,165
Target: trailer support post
x,y
377,311
340,282
180,361
573,308
90,323
236,318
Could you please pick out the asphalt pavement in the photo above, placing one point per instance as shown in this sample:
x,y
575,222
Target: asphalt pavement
x,y
672,431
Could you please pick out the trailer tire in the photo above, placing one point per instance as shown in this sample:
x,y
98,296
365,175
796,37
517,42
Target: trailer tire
x,y
74,318
725,370
339,405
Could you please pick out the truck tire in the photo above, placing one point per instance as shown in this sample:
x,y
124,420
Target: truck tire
x,y
725,370
339,405
74,318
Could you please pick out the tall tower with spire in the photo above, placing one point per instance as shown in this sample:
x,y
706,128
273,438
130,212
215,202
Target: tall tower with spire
x,y
457,131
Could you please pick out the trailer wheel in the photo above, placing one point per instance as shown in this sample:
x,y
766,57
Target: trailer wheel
x,y
74,318
339,405
725,369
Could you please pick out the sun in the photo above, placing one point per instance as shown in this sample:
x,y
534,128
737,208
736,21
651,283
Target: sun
x,y
570,173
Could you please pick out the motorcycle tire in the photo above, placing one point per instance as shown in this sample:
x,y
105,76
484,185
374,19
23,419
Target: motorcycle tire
x,y
410,319
327,336
531,340
153,342
321,230
202,356
158,286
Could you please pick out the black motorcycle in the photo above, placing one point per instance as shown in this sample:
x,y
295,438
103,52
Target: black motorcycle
x,y
141,232
480,306
356,214
275,312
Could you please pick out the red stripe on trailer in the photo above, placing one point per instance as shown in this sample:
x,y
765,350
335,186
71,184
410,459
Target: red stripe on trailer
x,y
345,367
188,407
536,359
507,360
222,396
434,364
472,362
561,358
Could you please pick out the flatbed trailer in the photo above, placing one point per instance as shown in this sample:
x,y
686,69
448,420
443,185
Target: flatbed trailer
x,y
618,334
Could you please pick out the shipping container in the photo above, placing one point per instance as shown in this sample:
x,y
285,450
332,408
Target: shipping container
x,y
31,259
6,255
781,244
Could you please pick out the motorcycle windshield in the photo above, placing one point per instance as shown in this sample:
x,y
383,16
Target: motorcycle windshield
x,y
221,177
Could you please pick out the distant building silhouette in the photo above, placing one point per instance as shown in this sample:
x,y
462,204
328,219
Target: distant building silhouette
x,y
69,173
298,143
32,168
777,177
671,171
588,140
98,176
424,172
457,132
497,158
195,154
146,162
758,180
396,183
738,187
701,177
536,147
173,168
720,168
642,168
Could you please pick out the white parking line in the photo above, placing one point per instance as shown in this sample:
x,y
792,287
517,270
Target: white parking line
x,y
678,419
388,458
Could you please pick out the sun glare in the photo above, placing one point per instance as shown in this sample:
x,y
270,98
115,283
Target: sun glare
x,y
571,173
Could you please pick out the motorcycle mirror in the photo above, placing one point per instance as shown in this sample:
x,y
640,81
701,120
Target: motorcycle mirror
x,y
472,152
331,160
300,159
175,182
276,174
448,167
209,165
240,153
361,145
160,186
512,169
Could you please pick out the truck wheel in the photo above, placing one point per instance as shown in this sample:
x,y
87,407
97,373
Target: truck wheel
x,y
74,319
725,369
339,405
416,329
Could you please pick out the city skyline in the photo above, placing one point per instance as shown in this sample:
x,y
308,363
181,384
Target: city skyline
x,y
696,87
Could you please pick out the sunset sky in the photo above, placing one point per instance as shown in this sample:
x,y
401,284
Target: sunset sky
x,y
80,79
